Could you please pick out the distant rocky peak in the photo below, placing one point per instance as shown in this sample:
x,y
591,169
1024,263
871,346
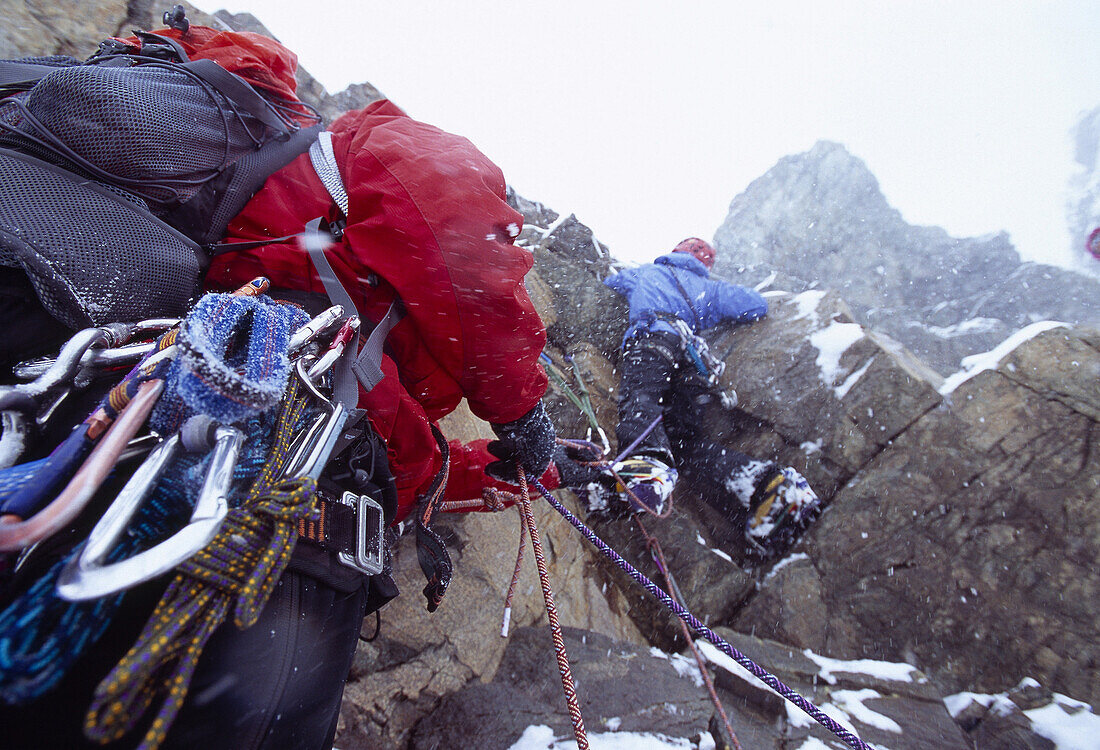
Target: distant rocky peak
x,y
819,220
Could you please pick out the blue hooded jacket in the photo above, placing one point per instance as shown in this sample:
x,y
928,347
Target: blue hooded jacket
x,y
652,289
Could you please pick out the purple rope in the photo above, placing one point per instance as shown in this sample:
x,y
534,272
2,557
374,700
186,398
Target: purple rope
x,y
692,622
640,438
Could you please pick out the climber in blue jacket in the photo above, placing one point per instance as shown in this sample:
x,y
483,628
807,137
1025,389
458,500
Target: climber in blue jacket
x,y
668,372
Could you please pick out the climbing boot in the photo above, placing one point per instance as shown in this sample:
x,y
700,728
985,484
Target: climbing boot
x,y
782,508
645,483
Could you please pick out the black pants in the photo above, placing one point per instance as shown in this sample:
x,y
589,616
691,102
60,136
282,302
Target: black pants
x,y
275,686
658,379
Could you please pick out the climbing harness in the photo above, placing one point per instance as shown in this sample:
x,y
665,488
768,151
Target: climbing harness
x,y
41,633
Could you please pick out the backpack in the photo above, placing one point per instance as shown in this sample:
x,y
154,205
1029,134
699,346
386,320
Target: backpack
x,y
116,172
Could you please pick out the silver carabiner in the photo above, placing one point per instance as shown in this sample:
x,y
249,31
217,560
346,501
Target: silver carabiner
x,y
308,333
336,348
311,453
89,577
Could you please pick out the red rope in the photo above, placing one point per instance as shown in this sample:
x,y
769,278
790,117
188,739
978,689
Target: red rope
x,y
571,701
655,547
515,577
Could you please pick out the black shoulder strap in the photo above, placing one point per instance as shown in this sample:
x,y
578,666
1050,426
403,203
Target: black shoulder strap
x,y
239,92
20,76
687,298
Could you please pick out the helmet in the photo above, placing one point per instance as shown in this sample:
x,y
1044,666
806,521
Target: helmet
x,y
1093,243
701,249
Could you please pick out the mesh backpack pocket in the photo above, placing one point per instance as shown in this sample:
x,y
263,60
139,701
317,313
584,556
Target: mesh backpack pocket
x,y
93,254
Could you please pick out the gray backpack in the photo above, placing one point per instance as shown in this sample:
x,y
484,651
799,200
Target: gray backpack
x,y
117,173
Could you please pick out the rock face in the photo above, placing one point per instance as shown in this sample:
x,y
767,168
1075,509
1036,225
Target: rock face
x,y
963,544
818,219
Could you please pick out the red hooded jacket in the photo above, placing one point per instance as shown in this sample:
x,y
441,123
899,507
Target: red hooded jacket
x,y
427,222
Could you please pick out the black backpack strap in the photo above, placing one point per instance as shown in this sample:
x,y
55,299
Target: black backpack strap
x,y
149,39
21,76
238,91
687,298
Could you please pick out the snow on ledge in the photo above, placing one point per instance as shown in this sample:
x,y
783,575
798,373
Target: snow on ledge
x,y
882,670
1069,723
977,363
541,737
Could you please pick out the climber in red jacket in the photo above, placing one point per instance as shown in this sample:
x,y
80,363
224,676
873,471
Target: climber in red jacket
x,y
428,223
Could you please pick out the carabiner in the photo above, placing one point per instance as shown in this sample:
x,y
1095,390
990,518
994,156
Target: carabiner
x,y
312,451
93,360
89,577
15,535
308,333
336,348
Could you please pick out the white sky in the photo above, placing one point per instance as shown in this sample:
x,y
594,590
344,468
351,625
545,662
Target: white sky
x,y
647,118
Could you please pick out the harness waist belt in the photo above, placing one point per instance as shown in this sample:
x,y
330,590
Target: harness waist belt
x,y
352,527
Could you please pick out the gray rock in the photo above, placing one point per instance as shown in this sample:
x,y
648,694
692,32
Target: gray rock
x,y
819,219
965,543
619,685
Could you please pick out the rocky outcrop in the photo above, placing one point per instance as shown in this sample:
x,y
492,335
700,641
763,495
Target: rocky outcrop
x,y
637,692
33,28
958,526
819,220
966,543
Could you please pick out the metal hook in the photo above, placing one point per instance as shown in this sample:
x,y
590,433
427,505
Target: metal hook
x,y
308,333
311,454
88,577
80,489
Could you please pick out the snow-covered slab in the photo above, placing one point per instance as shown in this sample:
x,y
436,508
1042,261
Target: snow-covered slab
x,y
978,363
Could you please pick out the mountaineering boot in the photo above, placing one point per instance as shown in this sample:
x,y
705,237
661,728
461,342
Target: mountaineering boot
x,y
649,480
782,507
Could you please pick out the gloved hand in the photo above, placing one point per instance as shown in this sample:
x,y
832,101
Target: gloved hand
x,y
527,442
570,460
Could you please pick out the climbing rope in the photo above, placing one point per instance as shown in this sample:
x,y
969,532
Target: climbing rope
x,y
570,688
698,627
674,591
237,571
582,402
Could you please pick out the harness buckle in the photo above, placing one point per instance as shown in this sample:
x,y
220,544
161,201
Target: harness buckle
x,y
370,524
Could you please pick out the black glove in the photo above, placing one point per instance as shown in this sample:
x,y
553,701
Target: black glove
x,y
571,458
527,442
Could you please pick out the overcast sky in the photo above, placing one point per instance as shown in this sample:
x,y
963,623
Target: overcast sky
x,y
645,121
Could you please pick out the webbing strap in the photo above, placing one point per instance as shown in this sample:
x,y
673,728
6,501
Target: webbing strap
x,y
323,157
367,367
22,75
344,389
239,92
686,296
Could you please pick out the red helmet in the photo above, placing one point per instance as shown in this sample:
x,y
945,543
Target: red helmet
x,y
1093,243
701,249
